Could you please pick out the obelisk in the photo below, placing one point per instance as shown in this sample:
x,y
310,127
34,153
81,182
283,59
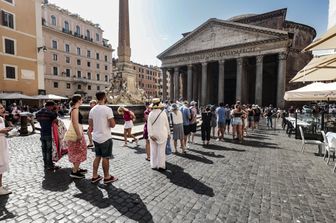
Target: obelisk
x,y
124,47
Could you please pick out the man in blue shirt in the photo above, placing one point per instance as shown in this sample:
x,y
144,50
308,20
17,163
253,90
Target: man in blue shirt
x,y
45,117
220,113
186,121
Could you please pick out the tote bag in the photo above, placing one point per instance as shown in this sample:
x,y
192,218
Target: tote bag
x,y
70,134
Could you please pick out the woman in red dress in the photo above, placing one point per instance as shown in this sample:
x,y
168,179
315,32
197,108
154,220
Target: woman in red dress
x,y
129,117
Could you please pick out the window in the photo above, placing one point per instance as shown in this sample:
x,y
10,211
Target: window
x,y
66,26
78,51
79,87
53,20
98,66
98,77
89,87
88,54
10,72
68,72
97,37
89,64
55,84
98,88
55,71
89,76
88,35
67,48
106,67
54,57
67,59
9,1
79,74
68,85
7,19
105,58
10,46
97,56
106,78
54,44
79,62
78,31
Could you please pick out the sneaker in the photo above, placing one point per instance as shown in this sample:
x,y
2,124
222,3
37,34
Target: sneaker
x,y
217,139
3,191
83,171
111,179
97,179
77,175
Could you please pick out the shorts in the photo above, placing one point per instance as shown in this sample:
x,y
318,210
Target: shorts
x,y
250,118
104,149
128,125
237,121
193,127
186,130
227,121
221,125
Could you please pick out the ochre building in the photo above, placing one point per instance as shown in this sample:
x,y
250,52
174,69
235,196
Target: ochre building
x,y
250,58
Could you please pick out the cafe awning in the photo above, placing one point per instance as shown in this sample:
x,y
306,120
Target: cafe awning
x,y
318,69
13,96
50,97
326,42
313,92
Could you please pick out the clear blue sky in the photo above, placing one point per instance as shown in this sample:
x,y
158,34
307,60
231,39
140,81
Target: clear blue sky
x,y
157,24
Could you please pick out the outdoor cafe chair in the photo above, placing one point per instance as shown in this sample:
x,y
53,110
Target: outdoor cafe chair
x,y
311,142
328,146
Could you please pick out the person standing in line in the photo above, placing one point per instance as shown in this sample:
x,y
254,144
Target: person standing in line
x,y
213,121
177,122
206,125
269,116
92,104
4,156
220,115
159,133
227,112
77,151
46,116
193,121
101,120
186,114
128,118
250,116
256,118
145,131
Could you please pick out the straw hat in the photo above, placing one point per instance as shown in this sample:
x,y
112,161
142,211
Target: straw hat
x,y
156,104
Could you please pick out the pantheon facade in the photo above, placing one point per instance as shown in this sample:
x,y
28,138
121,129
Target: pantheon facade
x,y
250,58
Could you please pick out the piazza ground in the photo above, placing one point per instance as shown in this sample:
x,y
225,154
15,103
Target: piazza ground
x,y
266,179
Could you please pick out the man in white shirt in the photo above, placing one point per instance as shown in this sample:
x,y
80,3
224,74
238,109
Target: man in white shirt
x,y
101,120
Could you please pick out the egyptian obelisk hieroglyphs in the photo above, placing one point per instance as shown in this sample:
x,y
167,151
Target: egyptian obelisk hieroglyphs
x,y
124,47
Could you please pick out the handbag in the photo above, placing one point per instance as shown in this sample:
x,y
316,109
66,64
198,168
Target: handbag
x,y
70,134
168,147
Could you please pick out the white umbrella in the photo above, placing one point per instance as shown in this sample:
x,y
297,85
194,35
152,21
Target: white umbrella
x,y
313,92
12,96
50,97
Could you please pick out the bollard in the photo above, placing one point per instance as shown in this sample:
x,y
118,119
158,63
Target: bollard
x,y
24,125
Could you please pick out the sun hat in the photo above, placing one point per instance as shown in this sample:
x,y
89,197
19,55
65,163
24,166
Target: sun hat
x,y
156,104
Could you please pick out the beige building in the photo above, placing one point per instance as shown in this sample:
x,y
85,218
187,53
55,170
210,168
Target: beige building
x,y
78,59
148,79
20,36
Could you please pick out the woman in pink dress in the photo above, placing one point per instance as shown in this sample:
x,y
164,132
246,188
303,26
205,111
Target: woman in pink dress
x,y
128,118
77,150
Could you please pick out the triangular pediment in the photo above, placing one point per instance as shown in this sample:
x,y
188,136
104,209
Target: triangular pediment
x,y
217,33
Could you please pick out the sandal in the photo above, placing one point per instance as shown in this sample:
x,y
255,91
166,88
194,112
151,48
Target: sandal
x,y
97,179
148,159
111,179
89,146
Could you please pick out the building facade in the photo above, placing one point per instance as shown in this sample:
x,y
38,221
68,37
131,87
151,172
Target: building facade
x,y
78,59
250,58
148,79
20,38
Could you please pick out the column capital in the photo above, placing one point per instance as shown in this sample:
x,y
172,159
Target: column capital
x,y
240,61
204,64
259,58
176,69
189,66
282,56
221,61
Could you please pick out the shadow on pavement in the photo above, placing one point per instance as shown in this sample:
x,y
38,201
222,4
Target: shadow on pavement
x,y
222,148
260,144
177,176
211,154
195,158
4,213
57,181
128,204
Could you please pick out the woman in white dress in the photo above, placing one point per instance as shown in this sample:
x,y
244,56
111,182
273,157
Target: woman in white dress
x,y
4,157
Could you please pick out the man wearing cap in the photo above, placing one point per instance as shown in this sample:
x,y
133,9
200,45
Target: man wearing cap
x,y
186,114
193,121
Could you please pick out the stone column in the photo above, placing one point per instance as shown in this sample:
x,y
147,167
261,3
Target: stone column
x,y
204,83
189,89
164,84
195,86
281,79
171,87
259,80
176,83
239,79
221,81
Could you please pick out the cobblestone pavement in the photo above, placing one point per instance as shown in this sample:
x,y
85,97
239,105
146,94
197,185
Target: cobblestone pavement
x,y
265,179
